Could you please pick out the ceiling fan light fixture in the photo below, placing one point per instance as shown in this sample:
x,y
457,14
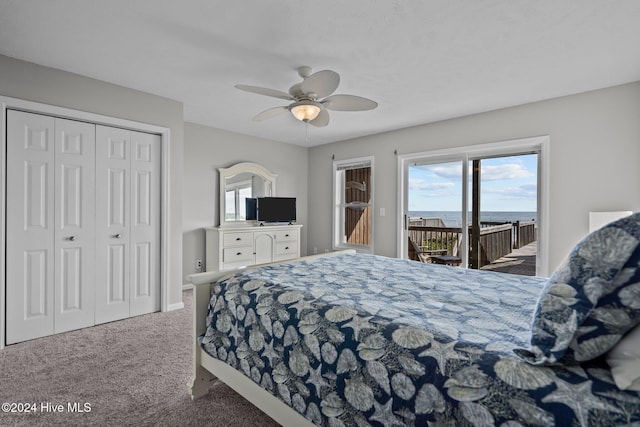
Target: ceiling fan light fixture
x,y
311,98
305,111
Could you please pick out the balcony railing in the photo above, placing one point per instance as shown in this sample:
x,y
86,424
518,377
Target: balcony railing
x,y
436,240
495,241
525,233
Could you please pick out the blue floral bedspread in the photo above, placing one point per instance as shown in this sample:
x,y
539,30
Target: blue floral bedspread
x,y
360,340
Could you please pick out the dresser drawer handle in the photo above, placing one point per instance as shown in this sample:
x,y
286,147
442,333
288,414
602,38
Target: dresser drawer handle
x,y
286,235
238,239
239,253
287,248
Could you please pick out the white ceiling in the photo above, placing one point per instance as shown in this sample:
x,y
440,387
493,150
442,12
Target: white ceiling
x,y
422,61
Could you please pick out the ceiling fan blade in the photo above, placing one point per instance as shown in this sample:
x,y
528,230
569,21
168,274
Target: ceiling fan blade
x,y
323,83
349,103
265,91
271,112
322,119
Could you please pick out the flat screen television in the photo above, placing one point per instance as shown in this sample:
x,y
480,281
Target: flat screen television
x,y
276,209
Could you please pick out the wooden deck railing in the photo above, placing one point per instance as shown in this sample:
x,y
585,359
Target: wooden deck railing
x,y
525,233
496,240
436,240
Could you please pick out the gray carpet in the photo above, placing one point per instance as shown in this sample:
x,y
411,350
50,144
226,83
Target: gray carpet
x,y
131,372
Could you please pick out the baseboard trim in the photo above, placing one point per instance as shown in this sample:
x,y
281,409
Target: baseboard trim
x,y
176,306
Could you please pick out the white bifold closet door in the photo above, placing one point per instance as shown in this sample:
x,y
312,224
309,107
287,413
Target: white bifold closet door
x,y
50,225
128,218
83,224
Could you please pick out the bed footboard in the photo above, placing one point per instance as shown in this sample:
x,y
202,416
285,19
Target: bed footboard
x,y
204,365
202,378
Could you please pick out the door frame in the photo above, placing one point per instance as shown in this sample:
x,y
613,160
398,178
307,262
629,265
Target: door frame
x,y
539,144
99,119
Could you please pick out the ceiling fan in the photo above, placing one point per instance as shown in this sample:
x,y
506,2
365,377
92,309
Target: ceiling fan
x,y
311,98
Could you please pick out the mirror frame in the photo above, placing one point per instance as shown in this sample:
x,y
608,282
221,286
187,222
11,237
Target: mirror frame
x,y
238,168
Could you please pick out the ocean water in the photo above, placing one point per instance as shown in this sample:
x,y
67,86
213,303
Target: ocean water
x,y
453,219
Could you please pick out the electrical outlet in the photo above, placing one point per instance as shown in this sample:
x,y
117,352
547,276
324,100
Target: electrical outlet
x,y
199,263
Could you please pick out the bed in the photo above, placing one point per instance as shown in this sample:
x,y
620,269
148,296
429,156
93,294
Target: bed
x,y
354,339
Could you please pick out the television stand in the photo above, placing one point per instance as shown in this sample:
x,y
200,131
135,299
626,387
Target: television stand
x,y
234,247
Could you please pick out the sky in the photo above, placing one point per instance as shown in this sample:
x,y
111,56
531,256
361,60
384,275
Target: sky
x,y
507,184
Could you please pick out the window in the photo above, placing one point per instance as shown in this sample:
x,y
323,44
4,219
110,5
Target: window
x,y
353,204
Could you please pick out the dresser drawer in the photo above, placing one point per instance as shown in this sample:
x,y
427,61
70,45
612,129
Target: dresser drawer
x,y
237,239
238,254
286,248
286,236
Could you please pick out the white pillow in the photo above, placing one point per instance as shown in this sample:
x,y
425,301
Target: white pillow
x,y
624,360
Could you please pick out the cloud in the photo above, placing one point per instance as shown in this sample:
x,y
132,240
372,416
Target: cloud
x,y
418,184
506,171
488,172
452,171
522,192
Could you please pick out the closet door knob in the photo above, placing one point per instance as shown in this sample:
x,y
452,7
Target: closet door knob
x,y
72,238
117,236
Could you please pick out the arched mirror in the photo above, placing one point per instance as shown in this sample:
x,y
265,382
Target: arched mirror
x,y
239,182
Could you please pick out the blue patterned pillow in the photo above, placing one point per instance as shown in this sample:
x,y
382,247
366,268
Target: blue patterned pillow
x,y
577,287
616,313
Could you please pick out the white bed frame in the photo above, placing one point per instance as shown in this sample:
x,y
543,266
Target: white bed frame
x,y
208,369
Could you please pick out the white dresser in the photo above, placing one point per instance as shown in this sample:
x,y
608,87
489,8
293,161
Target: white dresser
x,y
232,247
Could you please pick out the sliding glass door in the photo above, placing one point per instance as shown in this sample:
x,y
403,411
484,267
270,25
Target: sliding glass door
x,y
475,207
503,203
435,211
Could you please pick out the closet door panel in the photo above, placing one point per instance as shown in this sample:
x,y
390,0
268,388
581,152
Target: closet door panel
x,y
35,292
113,184
30,226
36,193
116,197
116,280
75,225
145,223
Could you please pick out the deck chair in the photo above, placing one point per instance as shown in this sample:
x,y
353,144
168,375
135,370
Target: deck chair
x,y
415,253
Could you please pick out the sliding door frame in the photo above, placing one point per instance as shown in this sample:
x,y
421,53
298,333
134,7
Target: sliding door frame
x,y
537,144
